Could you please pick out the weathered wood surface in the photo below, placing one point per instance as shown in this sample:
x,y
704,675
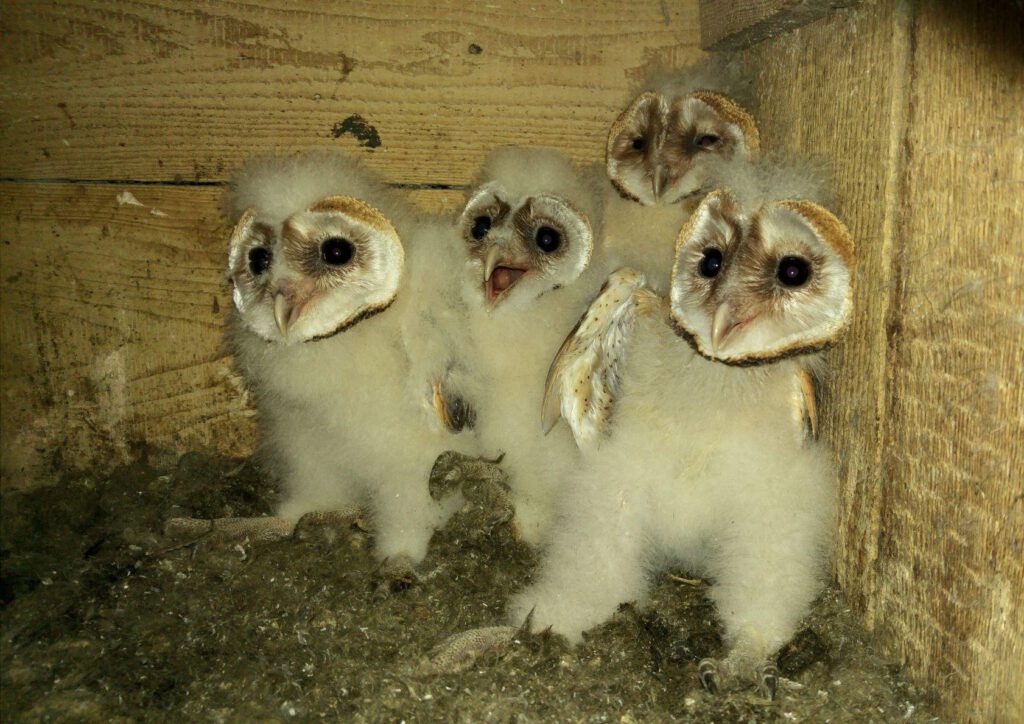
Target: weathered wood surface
x,y
918,106
175,91
109,334
112,319
738,24
112,315
951,584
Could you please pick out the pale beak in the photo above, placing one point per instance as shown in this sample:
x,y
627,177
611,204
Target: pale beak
x,y
493,256
500,274
722,327
658,182
282,313
286,313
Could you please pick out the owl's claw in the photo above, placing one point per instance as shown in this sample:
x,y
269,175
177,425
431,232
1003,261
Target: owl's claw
x,y
453,470
460,651
317,519
768,681
395,575
226,530
481,483
707,672
719,676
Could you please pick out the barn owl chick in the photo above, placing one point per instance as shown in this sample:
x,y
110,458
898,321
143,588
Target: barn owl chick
x,y
528,230
684,409
346,328
681,128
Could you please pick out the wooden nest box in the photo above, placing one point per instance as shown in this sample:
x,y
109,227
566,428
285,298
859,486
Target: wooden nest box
x,y
119,124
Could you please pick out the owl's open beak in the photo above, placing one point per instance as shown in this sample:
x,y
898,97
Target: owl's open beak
x,y
493,255
724,326
499,277
286,312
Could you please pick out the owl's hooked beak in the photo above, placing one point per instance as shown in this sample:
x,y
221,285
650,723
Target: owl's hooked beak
x,y
498,277
493,254
724,326
658,182
287,311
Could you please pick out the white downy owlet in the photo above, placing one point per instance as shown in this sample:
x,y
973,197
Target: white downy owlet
x,y
682,127
528,231
691,415
347,327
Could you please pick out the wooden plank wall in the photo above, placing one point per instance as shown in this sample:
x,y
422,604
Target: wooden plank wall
x,y
111,312
734,24
919,106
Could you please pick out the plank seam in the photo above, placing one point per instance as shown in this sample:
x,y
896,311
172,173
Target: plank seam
x,y
894,241
197,184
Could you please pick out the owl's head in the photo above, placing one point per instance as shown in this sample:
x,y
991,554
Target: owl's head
x,y
316,273
755,282
659,148
527,226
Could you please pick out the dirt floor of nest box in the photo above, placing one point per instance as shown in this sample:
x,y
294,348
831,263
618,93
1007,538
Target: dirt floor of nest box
x,y
119,124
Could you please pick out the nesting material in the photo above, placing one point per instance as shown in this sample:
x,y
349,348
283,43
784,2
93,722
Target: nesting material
x,y
104,618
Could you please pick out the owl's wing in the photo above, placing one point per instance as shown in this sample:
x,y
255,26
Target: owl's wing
x,y
453,410
584,376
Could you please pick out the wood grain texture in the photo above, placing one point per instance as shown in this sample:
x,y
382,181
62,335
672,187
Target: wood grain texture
x,y
917,105
111,318
735,24
109,334
951,583
111,314
111,327
139,90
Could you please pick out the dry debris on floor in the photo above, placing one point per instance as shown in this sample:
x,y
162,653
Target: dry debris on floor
x,y
103,619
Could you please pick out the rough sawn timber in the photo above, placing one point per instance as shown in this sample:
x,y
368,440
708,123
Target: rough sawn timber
x,y
918,107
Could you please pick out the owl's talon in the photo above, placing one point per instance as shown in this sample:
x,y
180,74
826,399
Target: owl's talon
x,y
342,519
265,529
720,676
707,672
446,473
460,651
396,575
481,483
768,681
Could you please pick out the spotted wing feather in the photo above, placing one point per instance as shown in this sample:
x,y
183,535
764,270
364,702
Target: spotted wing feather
x,y
584,377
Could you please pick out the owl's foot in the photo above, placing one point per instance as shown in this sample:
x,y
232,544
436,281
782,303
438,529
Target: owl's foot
x,y
482,484
265,529
228,530
726,675
343,519
395,575
491,508
453,470
460,651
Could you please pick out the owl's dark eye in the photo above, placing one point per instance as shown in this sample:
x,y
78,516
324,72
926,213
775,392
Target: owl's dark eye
x,y
710,263
706,141
639,144
793,271
259,260
548,240
336,251
481,225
